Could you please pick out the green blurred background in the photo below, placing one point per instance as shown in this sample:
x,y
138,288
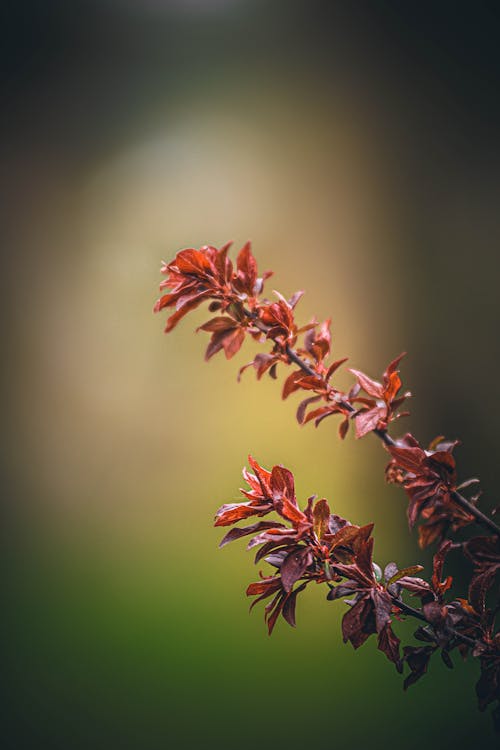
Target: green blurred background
x,y
357,145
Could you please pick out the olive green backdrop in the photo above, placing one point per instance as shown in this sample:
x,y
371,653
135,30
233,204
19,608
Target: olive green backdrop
x,y
357,145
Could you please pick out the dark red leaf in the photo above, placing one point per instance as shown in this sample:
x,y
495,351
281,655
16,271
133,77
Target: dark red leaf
x,y
238,533
191,304
292,383
282,484
232,342
367,421
233,512
343,428
321,413
267,586
303,406
358,622
221,323
435,613
294,566
479,587
393,366
334,367
382,604
321,518
483,551
289,605
417,659
246,270
388,642
372,387
437,567
194,262
404,572
415,585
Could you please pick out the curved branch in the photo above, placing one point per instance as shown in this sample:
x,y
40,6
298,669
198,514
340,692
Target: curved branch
x,y
383,435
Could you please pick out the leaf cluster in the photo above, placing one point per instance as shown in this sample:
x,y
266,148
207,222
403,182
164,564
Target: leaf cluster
x,y
314,544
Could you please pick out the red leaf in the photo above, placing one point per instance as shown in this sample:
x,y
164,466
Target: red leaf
x,y
358,622
290,511
382,603
262,363
222,323
367,421
232,342
289,605
392,385
410,459
437,565
479,587
238,533
321,518
246,271
233,512
190,304
282,484
263,477
334,366
317,343
392,366
415,585
292,383
372,387
222,263
322,412
294,566
303,406
267,587
343,428
193,262
388,642
345,537
483,550
435,613
404,572
273,611
417,658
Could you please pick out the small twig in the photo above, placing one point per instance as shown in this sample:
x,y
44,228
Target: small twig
x,y
480,517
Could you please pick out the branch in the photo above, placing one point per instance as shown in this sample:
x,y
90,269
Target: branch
x,y
419,615
383,435
480,517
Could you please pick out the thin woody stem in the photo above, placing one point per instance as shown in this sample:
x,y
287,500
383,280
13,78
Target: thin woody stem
x,y
409,610
383,435
480,517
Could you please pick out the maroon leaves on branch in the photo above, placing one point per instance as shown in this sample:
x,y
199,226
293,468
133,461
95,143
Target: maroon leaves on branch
x,y
313,544
417,658
196,276
383,402
317,343
246,280
279,321
430,480
226,334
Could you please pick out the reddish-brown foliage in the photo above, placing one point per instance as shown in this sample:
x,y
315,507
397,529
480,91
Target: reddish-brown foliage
x,y
314,544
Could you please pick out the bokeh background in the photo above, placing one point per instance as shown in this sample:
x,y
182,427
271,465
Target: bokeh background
x,y
357,145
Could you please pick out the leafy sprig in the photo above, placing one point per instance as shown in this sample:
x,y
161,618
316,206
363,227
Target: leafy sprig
x,y
314,544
